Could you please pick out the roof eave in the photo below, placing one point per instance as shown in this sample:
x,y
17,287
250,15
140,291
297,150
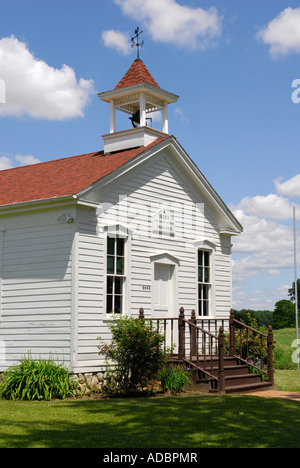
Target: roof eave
x,y
18,207
170,98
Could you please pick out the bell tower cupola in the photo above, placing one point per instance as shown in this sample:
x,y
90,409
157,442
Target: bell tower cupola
x,y
138,95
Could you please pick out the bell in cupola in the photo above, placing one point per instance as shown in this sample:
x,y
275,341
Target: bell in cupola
x,y
138,95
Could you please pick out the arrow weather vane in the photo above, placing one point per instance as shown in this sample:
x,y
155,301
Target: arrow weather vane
x,y
135,41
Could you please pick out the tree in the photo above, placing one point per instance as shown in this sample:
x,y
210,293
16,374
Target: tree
x,y
292,293
284,315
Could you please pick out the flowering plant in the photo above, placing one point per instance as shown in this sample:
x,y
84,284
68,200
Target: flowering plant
x,y
136,349
174,378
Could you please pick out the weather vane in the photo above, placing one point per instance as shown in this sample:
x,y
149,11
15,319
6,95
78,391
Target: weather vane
x,y
135,41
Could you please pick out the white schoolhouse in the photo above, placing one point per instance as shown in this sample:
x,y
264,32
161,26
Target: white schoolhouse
x,y
135,225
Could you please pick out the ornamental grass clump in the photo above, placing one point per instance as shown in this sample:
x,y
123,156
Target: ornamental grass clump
x,y
135,353
173,379
36,380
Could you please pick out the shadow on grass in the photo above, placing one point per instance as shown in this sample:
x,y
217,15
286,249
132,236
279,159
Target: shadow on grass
x,y
185,422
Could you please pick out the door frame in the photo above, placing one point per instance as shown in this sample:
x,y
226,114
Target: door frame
x,y
166,259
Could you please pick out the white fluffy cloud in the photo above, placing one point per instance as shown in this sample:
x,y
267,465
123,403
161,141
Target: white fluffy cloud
x,y
117,40
261,256
265,251
290,188
282,34
269,206
168,21
7,162
34,88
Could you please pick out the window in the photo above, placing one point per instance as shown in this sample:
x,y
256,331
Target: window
x,y
115,277
204,283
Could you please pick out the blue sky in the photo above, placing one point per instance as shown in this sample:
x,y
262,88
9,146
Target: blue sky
x,y
233,64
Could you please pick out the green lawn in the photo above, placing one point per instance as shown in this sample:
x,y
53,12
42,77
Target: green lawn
x,y
287,380
168,422
283,348
188,421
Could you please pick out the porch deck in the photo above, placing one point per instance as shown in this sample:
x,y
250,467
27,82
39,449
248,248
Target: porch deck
x,y
226,356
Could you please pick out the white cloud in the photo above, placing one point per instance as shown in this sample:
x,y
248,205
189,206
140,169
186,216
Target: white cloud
x,y
8,162
5,163
262,235
282,34
290,188
169,22
34,88
27,160
263,255
269,206
117,40
264,299
179,112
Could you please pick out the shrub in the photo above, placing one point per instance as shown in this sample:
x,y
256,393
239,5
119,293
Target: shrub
x,y
36,380
136,350
248,346
174,378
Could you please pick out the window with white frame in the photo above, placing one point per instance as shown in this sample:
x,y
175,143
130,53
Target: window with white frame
x,y
204,283
115,275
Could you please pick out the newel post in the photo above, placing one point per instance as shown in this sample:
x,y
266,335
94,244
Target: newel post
x,y
270,341
181,331
232,333
221,345
193,320
141,314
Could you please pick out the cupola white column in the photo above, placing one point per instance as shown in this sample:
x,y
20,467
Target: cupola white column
x,y
143,109
165,118
112,116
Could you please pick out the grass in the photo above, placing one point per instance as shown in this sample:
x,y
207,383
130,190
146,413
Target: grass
x,y
287,377
283,349
188,421
287,380
170,422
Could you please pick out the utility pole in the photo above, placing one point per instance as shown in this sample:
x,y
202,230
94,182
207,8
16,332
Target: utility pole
x,y
296,280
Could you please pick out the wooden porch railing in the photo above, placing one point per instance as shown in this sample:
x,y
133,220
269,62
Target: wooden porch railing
x,y
246,343
204,343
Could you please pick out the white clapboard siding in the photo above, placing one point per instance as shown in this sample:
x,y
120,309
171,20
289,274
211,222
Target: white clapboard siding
x,y
36,291
154,187
90,294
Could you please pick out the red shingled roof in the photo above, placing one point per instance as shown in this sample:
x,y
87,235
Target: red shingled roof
x,y
61,177
137,73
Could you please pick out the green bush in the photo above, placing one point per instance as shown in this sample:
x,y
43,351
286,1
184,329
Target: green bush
x,y
248,346
36,380
136,352
173,379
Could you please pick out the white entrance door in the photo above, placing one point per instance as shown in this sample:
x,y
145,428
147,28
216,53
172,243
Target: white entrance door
x,y
163,289
164,300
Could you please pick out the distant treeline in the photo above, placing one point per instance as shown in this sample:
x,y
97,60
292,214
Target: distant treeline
x,y
284,315
263,317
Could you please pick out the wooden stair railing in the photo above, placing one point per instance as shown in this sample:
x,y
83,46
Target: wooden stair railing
x,y
205,351
243,336
211,345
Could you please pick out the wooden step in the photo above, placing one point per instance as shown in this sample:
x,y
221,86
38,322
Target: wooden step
x,y
245,379
229,370
228,360
248,387
237,376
